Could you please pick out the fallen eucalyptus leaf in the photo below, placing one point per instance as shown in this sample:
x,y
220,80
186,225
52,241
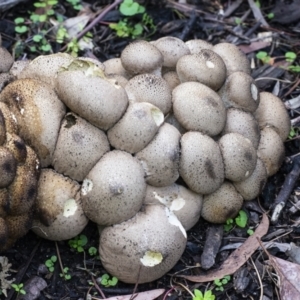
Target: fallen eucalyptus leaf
x,y
237,257
149,295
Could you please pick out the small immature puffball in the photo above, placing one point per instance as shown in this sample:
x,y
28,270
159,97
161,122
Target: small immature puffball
x,y
160,158
196,46
79,146
240,91
150,88
172,79
59,214
6,60
172,49
184,203
114,66
142,57
222,204
271,112
199,108
137,127
270,150
239,156
114,189
144,247
206,67
201,165
235,60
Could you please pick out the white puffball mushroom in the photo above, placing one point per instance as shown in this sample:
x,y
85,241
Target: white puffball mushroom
x,y
201,165
172,79
197,45
79,146
199,108
114,66
239,156
160,158
84,88
142,57
59,214
240,91
184,203
150,88
271,112
137,127
234,59
143,248
172,49
114,189
6,60
270,150
206,67
252,186
244,123
222,204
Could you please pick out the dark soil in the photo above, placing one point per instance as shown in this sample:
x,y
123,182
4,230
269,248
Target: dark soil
x,y
202,20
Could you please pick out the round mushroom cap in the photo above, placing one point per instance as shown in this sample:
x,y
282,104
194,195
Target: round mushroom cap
x,y
46,67
84,88
38,112
6,60
222,204
137,128
239,156
240,91
196,45
18,66
114,66
271,150
79,146
271,112
251,187
114,189
143,248
244,123
172,79
185,204
160,158
205,67
150,88
142,57
234,59
199,108
201,164
59,214
170,119
172,49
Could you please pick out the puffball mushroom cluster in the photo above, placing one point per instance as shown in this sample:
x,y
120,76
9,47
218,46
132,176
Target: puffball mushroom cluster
x,y
113,140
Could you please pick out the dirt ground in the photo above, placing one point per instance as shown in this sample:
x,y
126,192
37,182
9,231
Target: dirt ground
x,y
272,28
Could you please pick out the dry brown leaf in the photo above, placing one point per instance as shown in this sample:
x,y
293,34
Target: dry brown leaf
x,y
149,295
237,258
289,274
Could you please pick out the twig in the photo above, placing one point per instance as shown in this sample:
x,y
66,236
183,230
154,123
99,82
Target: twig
x,y
257,13
259,279
95,21
98,288
286,189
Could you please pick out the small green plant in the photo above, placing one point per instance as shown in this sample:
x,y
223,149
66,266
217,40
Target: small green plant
x,y
51,262
131,8
78,242
76,4
45,12
20,25
92,251
107,281
293,132
270,16
290,56
208,295
263,56
241,221
18,287
124,29
65,274
220,283
238,21
250,231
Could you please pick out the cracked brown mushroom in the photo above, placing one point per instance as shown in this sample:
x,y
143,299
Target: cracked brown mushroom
x,y
114,189
222,204
143,248
59,214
